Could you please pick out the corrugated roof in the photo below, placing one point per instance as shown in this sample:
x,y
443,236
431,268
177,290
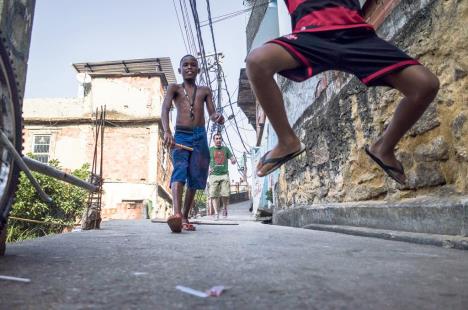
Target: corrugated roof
x,y
131,66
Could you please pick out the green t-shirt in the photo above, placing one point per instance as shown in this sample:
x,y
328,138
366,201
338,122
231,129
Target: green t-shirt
x,y
219,160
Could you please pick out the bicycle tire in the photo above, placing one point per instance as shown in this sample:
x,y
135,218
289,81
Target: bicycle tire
x,y
11,123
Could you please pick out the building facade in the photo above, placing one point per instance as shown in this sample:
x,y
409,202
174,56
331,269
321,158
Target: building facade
x,y
136,166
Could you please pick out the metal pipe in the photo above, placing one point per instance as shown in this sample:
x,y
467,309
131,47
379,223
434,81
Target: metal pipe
x,y
22,165
57,174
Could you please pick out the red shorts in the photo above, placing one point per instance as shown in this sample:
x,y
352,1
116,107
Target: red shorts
x,y
358,51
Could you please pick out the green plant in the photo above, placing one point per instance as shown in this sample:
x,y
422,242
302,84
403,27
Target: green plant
x,y
69,202
200,200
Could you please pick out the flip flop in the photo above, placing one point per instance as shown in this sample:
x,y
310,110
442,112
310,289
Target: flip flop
x,y
386,168
188,227
175,223
279,161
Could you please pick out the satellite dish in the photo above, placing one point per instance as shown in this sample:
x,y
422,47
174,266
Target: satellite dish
x,y
83,78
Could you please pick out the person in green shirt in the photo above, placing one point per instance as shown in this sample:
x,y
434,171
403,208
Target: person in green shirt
x,y
219,174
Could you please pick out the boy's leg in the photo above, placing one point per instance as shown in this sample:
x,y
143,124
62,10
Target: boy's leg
x,y
419,86
225,191
216,202
179,175
225,205
188,202
214,193
262,64
175,221
216,205
208,206
177,191
212,205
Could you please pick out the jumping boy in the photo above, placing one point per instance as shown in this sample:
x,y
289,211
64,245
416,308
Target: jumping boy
x,y
190,167
332,35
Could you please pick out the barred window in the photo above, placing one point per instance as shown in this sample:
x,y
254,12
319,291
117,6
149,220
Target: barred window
x,y
41,146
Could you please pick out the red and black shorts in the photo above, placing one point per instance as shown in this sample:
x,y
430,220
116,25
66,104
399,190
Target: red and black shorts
x,y
358,51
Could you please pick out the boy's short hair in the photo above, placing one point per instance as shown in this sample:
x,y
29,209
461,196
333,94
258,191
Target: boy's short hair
x,y
188,55
218,134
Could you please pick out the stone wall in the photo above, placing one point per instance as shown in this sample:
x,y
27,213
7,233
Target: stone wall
x,y
16,18
343,116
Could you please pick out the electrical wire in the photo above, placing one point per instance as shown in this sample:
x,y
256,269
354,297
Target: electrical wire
x,y
230,15
193,6
232,109
230,145
188,27
219,72
180,26
218,66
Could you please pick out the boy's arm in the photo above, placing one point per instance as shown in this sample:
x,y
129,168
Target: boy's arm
x,y
166,107
233,160
214,116
231,157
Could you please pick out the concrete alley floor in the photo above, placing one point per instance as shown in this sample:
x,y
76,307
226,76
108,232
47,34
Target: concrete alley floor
x,y
137,264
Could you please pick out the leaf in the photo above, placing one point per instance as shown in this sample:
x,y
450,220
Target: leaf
x,y
70,202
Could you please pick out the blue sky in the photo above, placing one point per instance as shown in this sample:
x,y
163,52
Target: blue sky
x,y
70,31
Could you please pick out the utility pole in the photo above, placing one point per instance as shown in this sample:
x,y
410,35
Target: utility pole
x,y
219,108
214,63
244,169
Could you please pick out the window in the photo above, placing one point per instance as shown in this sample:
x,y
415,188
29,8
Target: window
x,y
41,146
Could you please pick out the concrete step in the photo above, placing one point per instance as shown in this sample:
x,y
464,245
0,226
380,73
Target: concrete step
x,y
446,241
429,215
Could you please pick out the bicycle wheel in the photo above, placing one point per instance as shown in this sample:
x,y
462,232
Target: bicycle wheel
x,y
11,125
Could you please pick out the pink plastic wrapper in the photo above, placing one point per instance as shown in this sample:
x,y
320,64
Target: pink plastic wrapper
x,y
215,291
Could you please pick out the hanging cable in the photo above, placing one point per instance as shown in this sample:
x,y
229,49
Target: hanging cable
x,y
221,73
232,110
180,27
193,6
216,127
188,26
230,145
230,15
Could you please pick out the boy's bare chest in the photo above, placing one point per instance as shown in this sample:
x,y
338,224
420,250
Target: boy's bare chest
x,y
189,97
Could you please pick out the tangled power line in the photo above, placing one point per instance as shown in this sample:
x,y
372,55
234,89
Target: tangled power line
x,y
195,45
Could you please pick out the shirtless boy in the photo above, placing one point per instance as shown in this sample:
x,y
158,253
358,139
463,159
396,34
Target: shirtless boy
x,y
190,167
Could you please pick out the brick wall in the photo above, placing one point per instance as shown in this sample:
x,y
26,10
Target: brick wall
x,y
126,154
125,211
72,145
127,163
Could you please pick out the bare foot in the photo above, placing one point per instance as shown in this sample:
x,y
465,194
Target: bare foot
x,y
279,151
175,223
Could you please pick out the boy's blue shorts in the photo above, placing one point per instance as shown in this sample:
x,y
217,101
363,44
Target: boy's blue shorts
x,y
191,167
